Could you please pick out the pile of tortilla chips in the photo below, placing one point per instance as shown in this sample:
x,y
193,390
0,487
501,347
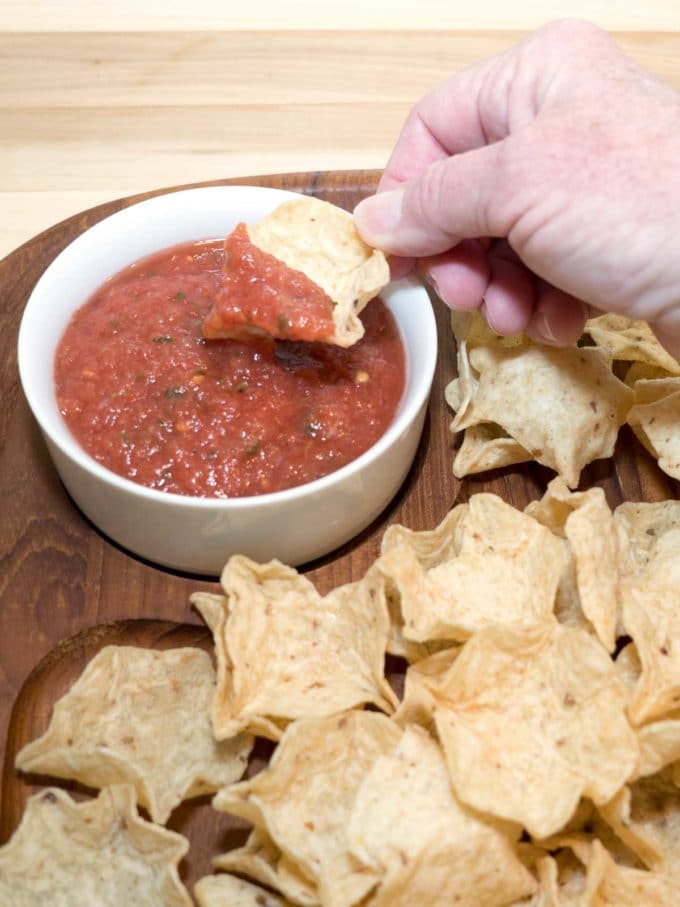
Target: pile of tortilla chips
x,y
533,757
517,400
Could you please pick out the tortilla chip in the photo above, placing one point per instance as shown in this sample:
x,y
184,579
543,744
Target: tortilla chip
x,y
304,798
640,371
463,389
228,891
646,816
660,740
484,446
98,852
568,610
650,596
487,447
609,884
585,520
422,679
563,881
140,716
572,876
624,887
552,514
261,859
655,419
648,391
320,241
285,652
564,406
431,546
622,338
449,854
397,643
453,394
628,666
643,525
473,328
659,745
532,721
498,566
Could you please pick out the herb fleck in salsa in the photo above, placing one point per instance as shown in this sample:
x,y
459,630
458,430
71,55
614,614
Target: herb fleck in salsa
x,y
154,401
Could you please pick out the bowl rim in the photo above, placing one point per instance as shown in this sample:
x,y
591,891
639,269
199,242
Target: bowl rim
x,y
416,390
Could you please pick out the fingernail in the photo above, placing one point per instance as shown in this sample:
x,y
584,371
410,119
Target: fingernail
x,y
542,330
379,216
484,311
431,281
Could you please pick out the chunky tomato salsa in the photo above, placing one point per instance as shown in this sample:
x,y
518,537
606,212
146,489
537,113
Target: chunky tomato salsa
x,y
149,397
259,296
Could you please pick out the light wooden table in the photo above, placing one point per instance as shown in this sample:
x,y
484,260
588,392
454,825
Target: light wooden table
x,y
98,102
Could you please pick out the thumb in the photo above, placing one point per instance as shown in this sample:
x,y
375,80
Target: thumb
x,y
459,198
667,330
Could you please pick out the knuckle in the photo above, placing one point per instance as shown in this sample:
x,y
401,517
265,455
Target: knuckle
x,y
576,40
575,31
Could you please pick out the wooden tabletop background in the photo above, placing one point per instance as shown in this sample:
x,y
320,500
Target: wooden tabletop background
x,y
101,100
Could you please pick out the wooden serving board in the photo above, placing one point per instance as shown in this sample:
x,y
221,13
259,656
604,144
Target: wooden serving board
x,y
66,590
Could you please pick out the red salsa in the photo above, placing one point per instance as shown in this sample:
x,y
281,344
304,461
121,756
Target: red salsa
x,y
149,397
260,296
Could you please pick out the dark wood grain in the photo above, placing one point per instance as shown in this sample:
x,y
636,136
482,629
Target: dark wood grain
x,y
63,584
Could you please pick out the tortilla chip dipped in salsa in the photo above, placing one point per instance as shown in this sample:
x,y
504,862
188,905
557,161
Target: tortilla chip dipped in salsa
x,y
301,273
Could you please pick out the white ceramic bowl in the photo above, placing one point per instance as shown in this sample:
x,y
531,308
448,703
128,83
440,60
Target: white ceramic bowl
x,y
199,534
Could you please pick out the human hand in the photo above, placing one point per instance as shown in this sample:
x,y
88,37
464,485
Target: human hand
x,y
537,181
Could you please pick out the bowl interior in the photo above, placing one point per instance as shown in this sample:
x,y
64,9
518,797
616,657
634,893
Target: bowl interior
x,y
148,227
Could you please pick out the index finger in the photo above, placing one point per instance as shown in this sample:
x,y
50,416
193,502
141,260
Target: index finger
x,y
446,121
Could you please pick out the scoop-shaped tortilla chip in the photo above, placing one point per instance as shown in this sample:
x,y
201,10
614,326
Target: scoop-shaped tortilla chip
x,y
659,745
307,275
640,371
449,855
140,716
98,852
472,328
499,567
606,883
304,798
564,406
623,338
285,652
484,446
655,419
461,393
650,597
487,447
229,891
568,608
422,678
261,859
585,520
646,816
562,882
397,643
531,721
641,526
